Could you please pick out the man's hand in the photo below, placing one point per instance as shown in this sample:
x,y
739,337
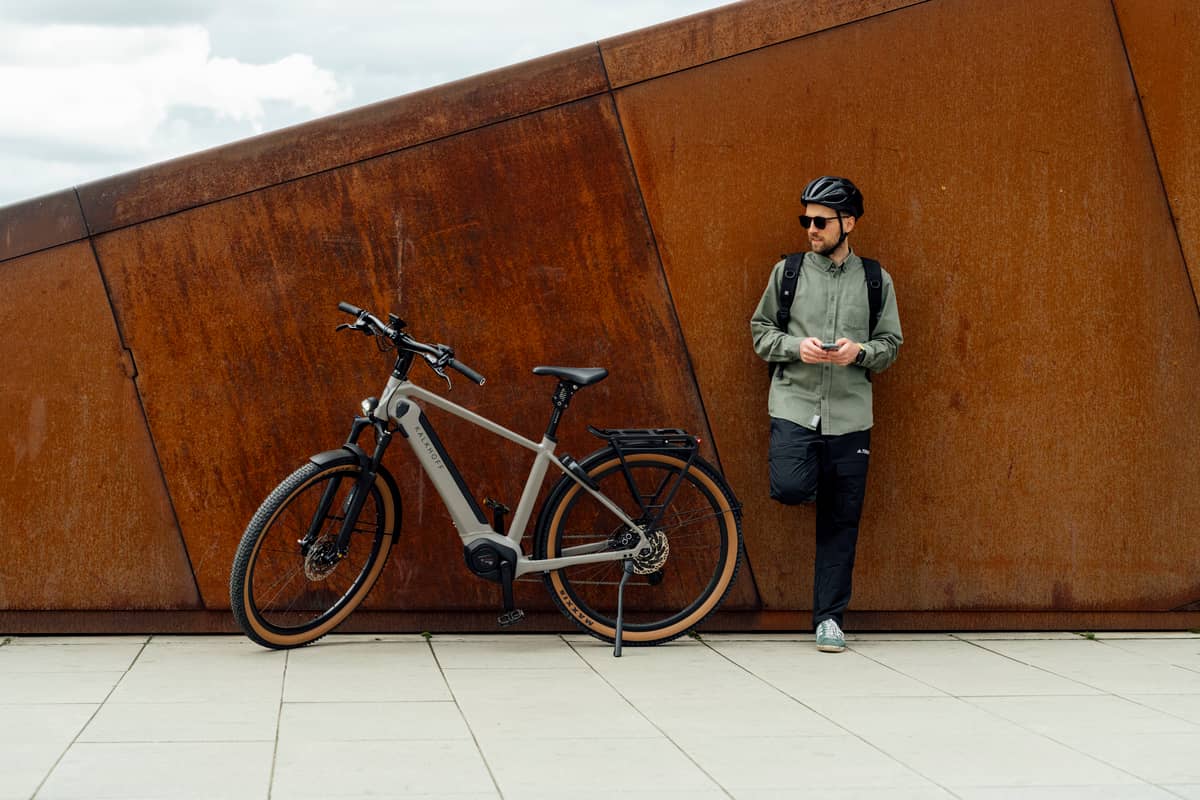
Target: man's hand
x,y
845,354
811,352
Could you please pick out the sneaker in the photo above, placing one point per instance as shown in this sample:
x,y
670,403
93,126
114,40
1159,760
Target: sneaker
x,y
830,638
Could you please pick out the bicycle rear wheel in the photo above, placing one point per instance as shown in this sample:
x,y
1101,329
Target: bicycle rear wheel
x,y
689,567
287,587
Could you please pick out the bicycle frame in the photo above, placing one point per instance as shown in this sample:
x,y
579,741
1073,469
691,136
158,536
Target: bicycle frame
x,y
398,405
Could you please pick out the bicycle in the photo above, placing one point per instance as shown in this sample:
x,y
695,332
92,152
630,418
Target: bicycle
x,y
643,515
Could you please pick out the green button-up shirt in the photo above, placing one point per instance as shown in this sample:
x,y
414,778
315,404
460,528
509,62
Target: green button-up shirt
x,y
831,303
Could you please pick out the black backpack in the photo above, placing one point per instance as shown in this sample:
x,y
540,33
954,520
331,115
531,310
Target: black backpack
x,y
787,293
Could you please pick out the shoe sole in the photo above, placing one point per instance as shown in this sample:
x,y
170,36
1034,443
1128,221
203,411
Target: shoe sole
x,y
831,648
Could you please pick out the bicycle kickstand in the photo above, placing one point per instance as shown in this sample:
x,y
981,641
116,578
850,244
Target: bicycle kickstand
x,y
621,607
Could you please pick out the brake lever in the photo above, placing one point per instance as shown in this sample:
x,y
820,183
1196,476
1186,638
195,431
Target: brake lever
x,y
442,372
365,329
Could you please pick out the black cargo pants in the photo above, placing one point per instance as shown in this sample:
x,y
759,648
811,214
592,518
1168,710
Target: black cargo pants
x,y
805,466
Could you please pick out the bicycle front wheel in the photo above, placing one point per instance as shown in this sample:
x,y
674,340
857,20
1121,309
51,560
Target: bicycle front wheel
x,y
679,580
288,587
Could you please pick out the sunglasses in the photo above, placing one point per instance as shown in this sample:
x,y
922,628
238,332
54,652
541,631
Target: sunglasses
x,y
820,222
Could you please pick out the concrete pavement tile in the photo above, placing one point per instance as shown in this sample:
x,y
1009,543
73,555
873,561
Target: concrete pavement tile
x,y
792,762
988,759
696,671
1104,666
57,687
335,770
962,668
895,636
534,704
1184,706
1062,718
184,722
207,670
59,641
69,658
750,636
532,652
226,643
610,794
158,771
800,670
927,792
356,671
770,716
360,638
986,636
1132,792
1159,758
32,737
1190,791
1147,635
885,718
523,767
1180,652
393,722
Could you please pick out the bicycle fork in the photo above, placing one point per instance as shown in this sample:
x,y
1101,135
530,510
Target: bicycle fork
x,y
353,504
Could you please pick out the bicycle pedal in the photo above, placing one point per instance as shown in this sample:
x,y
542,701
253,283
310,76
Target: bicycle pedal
x,y
511,617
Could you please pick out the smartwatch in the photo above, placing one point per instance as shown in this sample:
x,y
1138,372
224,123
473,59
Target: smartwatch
x,y
862,355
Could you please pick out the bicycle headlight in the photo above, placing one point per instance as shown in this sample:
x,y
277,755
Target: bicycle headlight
x,y
369,405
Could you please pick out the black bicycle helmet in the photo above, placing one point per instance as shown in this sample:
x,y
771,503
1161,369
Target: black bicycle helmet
x,y
836,193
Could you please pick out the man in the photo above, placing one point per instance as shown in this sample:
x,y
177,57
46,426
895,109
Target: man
x,y
820,396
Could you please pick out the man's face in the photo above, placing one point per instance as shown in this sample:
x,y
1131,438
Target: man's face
x,y
825,241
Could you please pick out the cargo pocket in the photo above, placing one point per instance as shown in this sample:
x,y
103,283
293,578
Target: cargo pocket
x,y
851,489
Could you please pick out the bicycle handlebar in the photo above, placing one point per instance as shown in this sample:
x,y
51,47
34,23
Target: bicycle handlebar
x,y
437,356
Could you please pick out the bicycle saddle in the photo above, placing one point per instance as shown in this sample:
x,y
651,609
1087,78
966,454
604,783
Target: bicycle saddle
x,y
580,376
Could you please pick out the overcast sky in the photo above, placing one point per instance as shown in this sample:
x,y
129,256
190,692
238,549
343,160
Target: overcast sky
x,y
91,88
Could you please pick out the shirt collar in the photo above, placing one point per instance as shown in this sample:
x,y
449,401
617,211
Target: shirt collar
x,y
825,263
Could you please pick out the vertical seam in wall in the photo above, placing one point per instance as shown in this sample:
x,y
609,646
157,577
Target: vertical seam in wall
x,y
137,392
1154,154
612,98
687,352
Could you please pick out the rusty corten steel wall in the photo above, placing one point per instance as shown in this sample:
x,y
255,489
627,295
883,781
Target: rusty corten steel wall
x,y
1035,460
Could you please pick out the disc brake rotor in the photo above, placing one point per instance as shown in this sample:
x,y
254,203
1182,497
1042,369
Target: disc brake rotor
x,y
652,557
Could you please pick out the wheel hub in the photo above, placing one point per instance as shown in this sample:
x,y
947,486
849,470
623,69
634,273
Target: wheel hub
x,y
321,559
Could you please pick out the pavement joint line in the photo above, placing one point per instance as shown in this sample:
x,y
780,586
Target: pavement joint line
x,y
84,726
287,656
478,747
651,722
1128,699
834,722
1039,667
1048,737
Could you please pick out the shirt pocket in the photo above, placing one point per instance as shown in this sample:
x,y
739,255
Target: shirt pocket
x,y
855,312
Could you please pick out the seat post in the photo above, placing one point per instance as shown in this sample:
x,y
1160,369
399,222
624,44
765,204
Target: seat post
x,y
562,398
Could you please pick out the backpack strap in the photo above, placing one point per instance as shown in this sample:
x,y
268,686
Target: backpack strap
x,y
787,293
874,277
787,289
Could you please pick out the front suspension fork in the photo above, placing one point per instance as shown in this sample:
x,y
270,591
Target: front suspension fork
x,y
352,506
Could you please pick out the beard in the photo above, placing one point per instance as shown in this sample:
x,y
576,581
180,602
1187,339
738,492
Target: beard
x,y
831,248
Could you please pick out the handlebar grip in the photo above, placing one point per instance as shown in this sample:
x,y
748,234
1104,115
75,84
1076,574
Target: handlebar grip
x,y
471,374
353,311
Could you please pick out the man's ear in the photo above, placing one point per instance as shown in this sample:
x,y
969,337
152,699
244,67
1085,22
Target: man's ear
x,y
848,223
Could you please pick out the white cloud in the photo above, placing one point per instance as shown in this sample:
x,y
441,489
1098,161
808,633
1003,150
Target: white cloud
x,y
114,91
96,87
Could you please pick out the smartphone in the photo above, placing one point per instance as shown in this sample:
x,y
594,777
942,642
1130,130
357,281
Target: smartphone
x,y
830,346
